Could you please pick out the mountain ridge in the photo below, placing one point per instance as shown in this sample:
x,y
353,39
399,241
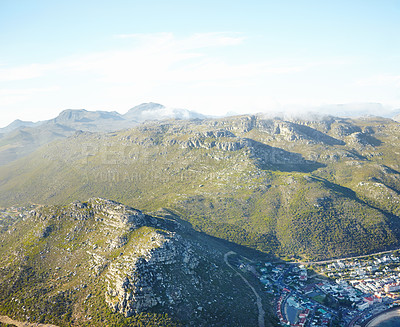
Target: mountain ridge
x,y
313,189
99,262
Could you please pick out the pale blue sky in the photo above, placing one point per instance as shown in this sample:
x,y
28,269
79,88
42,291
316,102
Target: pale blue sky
x,y
208,56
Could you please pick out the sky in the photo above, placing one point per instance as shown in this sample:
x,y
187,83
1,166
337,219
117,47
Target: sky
x,y
212,57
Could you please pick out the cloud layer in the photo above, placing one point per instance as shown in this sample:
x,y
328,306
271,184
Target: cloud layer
x,y
204,71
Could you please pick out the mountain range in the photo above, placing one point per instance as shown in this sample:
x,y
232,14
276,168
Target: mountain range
x,y
23,137
312,189
128,220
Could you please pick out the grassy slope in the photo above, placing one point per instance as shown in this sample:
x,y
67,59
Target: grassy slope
x,y
349,205
52,278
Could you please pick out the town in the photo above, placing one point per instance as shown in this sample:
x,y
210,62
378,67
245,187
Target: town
x,y
344,292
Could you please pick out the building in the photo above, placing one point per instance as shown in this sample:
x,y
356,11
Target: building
x,y
363,306
391,287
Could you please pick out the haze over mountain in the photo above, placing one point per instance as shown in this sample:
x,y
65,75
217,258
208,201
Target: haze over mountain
x,y
155,111
17,124
22,137
100,121
358,110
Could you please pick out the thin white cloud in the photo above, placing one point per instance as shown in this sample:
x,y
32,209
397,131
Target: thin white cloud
x,y
380,80
12,96
23,72
159,58
161,67
162,58
194,41
27,91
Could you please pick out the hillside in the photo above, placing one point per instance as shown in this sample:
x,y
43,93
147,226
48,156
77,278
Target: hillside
x,y
315,188
101,263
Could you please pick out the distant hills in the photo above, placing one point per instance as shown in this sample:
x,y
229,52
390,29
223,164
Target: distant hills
x,y
23,137
17,124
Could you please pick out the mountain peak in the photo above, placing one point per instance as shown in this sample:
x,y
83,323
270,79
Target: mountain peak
x,y
147,106
83,115
156,111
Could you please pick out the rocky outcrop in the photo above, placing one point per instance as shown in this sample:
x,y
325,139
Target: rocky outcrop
x,y
363,139
279,129
266,154
138,281
116,215
341,129
218,133
109,212
138,256
262,153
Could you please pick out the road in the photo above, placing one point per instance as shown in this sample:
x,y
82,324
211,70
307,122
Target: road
x,y
332,260
261,312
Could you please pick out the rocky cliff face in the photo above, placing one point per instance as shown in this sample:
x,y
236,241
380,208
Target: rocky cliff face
x,y
262,153
135,278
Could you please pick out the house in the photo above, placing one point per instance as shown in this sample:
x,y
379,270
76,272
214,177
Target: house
x,y
308,289
369,299
264,280
362,306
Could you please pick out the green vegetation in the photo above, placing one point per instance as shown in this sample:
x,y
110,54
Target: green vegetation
x,y
58,264
310,189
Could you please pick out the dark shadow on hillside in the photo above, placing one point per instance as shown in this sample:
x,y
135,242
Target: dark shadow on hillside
x,y
391,170
316,135
377,180
392,220
366,139
342,190
187,229
307,167
272,158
